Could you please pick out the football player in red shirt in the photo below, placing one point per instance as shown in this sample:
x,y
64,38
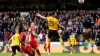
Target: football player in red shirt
x,y
25,47
32,40
46,47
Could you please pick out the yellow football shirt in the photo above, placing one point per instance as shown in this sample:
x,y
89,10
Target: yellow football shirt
x,y
15,40
72,40
52,23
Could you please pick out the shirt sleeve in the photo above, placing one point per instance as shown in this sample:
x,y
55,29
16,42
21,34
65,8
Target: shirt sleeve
x,y
57,22
33,31
21,35
12,37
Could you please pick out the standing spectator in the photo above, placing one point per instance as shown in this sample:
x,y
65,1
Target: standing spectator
x,y
17,14
1,36
41,36
98,20
5,35
93,35
98,31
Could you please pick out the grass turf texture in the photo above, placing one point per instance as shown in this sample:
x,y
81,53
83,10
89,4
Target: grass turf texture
x,y
56,54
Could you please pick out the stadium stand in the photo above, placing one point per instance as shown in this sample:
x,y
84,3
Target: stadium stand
x,y
84,24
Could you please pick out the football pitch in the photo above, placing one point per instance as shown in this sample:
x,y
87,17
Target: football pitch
x,y
55,54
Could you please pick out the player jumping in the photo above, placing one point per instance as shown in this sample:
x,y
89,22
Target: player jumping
x,y
53,24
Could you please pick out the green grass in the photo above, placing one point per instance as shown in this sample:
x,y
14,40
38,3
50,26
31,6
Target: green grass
x,y
56,54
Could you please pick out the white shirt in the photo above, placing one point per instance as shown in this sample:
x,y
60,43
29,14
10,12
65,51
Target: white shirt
x,y
40,35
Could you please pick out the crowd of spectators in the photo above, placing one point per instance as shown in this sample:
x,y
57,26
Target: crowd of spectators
x,y
85,25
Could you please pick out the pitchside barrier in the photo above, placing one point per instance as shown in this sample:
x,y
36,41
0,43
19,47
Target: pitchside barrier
x,y
83,47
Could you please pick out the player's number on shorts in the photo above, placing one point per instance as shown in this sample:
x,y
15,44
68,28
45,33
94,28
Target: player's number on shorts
x,y
51,23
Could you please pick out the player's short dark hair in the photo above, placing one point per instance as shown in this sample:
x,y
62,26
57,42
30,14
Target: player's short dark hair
x,y
53,13
13,32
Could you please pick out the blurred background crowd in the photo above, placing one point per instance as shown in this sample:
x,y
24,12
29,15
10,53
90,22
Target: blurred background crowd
x,y
85,25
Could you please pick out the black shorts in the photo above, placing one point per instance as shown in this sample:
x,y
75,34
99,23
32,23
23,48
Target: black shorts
x,y
53,33
71,45
14,48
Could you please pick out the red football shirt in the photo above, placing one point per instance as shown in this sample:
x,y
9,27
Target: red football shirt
x,y
31,36
23,36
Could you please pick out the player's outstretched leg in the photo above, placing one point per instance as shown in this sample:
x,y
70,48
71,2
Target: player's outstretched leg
x,y
38,52
48,45
71,48
45,47
29,50
13,54
63,45
49,49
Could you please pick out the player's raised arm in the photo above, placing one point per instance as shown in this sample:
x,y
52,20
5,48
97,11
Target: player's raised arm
x,y
34,33
61,26
21,41
39,15
28,37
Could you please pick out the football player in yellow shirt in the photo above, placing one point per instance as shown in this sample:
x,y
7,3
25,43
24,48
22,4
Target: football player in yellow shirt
x,y
15,42
53,25
72,42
